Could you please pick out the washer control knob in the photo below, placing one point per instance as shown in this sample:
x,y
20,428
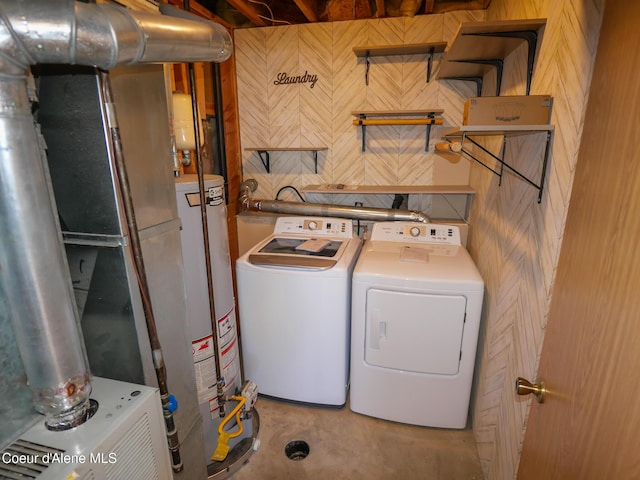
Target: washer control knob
x,y
312,225
415,231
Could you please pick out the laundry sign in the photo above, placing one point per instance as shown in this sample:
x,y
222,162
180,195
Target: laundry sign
x,y
283,78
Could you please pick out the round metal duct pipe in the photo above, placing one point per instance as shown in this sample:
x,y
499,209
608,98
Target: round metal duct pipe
x,y
323,209
33,267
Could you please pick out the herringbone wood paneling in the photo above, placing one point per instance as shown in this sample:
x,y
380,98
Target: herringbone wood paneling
x,y
316,115
349,94
515,240
298,115
284,100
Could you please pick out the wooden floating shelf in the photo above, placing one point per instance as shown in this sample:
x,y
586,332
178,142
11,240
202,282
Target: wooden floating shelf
x,y
406,49
429,48
478,47
398,113
390,189
398,121
286,149
497,130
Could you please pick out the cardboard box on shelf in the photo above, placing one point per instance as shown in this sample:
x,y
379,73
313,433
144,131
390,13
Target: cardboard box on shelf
x,y
508,110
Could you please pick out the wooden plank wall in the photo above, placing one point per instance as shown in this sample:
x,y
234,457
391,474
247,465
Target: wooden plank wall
x,y
514,240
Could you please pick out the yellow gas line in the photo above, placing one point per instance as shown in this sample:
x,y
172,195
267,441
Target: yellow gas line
x,y
222,450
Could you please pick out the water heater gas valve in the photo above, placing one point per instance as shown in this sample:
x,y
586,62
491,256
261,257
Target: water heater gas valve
x,y
250,394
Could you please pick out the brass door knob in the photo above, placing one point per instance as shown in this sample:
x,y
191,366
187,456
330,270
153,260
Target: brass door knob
x,y
525,387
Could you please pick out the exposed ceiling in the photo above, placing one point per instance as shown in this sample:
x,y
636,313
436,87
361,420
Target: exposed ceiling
x,y
261,13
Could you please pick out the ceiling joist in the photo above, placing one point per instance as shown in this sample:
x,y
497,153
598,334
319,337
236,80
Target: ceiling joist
x,y
249,11
198,9
338,10
263,13
428,6
442,6
309,9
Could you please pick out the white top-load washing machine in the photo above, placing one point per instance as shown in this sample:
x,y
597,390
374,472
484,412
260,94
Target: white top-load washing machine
x,y
416,305
294,301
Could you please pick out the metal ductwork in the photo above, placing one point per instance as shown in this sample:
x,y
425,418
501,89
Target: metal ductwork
x,y
246,202
33,266
101,35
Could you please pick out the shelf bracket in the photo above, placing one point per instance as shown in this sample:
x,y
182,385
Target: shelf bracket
x,y
264,158
364,130
366,69
500,159
545,162
426,144
503,149
499,66
529,36
476,80
430,63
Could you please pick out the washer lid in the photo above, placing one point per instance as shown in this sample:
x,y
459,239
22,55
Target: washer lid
x,y
299,252
315,247
309,263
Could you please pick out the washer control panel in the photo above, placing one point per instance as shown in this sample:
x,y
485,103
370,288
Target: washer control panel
x,y
410,232
314,226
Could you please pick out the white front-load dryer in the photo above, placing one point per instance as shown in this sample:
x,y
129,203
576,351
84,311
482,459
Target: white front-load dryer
x,y
294,303
416,305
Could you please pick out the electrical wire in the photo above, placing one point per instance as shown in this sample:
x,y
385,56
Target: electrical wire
x,y
398,199
292,188
271,18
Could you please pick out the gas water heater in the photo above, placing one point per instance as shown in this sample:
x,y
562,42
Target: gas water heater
x,y
197,299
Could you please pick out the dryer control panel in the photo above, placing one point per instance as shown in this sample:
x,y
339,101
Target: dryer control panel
x,y
409,232
314,227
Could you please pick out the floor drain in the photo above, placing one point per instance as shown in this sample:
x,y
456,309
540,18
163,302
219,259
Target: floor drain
x,y
297,450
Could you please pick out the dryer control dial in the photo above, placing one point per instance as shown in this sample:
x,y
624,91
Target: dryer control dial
x,y
409,232
312,225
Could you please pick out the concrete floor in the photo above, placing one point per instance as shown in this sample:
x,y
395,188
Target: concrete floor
x,y
347,445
